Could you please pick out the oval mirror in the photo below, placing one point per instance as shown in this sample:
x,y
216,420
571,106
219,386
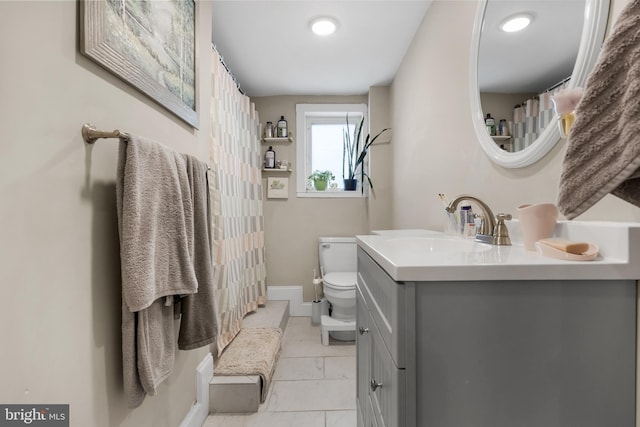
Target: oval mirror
x,y
502,67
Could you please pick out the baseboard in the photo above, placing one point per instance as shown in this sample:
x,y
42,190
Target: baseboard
x,y
293,294
200,409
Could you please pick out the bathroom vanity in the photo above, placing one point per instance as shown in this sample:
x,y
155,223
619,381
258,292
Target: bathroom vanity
x,y
455,333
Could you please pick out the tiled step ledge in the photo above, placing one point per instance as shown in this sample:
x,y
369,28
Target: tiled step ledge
x,y
241,394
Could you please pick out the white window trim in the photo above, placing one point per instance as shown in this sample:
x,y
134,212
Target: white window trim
x,y
302,146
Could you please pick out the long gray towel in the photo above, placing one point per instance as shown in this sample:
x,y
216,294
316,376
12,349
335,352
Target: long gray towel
x,y
155,221
198,324
603,152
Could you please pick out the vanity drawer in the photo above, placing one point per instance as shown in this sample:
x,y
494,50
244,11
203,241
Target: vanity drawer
x,y
363,357
387,385
386,301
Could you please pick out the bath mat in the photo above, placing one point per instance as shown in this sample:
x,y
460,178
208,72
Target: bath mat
x,y
254,351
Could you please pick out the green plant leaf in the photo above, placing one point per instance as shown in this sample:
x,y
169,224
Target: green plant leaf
x,y
354,152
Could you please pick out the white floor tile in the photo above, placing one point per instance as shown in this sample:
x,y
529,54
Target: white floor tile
x,y
340,367
301,327
268,419
301,348
235,420
341,418
313,395
309,348
286,419
299,368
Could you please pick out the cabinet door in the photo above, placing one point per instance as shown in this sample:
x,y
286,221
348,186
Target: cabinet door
x,y
363,356
386,385
386,302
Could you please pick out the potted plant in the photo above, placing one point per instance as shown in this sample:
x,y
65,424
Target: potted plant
x,y
354,151
321,179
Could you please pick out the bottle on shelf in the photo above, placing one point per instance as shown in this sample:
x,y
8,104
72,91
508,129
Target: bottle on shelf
x,y
270,158
490,122
268,130
281,128
503,129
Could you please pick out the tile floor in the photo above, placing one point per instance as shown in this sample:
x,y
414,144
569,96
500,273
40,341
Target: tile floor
x,y
313,385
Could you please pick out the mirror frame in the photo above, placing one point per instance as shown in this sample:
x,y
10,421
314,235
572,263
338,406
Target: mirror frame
x,y
595,22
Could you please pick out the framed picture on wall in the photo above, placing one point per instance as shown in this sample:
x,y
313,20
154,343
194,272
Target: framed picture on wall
x,y
149,44
277,188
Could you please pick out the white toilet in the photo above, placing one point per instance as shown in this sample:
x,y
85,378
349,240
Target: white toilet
x,y
338,266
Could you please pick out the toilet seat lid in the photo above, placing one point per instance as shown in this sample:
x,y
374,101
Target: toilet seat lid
x,y
341,280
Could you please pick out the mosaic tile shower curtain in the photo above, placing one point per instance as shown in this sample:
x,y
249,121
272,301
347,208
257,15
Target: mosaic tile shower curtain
x,y
532,117
237,205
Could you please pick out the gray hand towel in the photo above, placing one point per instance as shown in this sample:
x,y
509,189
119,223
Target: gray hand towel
x,y
156,245
198,325
603,150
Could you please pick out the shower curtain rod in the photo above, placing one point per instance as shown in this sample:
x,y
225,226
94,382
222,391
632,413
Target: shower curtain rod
x,y
90,134
561,82
235,80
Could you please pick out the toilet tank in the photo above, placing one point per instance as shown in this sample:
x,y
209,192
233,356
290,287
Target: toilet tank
x,y
337,254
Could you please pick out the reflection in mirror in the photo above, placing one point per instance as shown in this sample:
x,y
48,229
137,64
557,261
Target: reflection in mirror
x,y
515,83
513,75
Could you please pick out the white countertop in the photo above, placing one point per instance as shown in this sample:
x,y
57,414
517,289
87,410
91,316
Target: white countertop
x,y
401,255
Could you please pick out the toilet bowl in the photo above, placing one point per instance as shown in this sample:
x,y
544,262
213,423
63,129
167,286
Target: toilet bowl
x,y
338,266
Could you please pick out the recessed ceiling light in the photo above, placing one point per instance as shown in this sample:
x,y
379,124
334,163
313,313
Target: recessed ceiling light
x,y
324,26
515,23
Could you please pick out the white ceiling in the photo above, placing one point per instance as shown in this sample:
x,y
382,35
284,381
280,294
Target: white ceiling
x,y
270,49
538,56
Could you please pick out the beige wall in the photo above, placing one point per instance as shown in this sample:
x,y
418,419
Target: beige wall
x,y
293,225
60,319
380,158
501,105
435,149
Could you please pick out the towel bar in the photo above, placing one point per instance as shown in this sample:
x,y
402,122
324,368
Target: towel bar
x,y
90,134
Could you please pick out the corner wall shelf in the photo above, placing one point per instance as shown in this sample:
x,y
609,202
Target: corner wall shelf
x,y
276,170
276,140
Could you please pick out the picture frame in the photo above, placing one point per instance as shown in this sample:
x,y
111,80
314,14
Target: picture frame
x,y
277,187
151,45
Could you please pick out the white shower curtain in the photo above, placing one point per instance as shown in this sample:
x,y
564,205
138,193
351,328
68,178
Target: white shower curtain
x,y
237,205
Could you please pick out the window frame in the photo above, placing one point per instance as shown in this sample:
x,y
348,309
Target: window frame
x,y
306,114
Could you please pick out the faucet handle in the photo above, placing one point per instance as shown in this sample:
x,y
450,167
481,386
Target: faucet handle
x,y
501,232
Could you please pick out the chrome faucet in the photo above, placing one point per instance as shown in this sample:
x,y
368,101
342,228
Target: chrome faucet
x,y
488,232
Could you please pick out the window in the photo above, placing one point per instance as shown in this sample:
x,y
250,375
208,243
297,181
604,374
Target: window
x,y
320,129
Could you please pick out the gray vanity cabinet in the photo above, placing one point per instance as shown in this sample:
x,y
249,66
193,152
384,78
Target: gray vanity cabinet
x,y
494,353
381,385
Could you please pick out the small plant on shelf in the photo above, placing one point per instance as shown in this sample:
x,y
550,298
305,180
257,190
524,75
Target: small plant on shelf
x,y
321,179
